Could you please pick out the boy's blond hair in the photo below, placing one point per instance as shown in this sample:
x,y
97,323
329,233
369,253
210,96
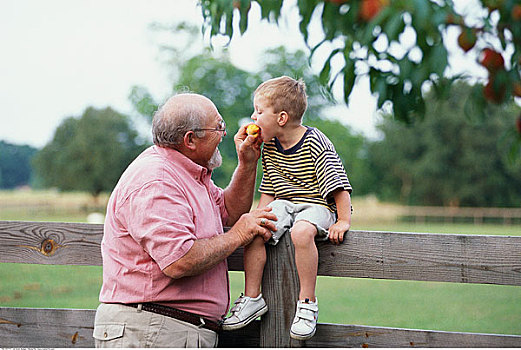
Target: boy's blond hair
x,y
285,94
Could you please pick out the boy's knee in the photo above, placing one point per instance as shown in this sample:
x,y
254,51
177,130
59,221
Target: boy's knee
x,y
303,233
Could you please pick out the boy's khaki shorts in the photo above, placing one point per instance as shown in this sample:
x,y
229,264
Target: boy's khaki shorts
x,y
288,213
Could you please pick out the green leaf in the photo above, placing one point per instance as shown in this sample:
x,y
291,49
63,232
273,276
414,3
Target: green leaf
x,y
475,105
437,59
394,26
349,77
326,69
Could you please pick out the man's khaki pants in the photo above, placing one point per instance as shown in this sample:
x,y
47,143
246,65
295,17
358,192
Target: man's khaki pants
x,y
120,326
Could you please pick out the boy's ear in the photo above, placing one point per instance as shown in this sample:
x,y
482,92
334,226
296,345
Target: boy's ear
x,y
283,118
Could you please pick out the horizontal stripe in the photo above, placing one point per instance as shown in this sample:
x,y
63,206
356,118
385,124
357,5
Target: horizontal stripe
x,y
306,175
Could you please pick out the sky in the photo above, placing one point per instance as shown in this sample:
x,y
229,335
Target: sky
x,y
61,56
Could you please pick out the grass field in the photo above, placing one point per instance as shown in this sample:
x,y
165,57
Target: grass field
x,y
420,305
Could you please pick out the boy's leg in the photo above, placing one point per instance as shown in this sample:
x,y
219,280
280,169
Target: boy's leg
x,y
254,261
306,257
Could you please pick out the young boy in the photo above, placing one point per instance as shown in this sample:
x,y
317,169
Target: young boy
x,y
305,184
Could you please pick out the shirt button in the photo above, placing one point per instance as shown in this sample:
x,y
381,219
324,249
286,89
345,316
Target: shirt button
x,y
105,335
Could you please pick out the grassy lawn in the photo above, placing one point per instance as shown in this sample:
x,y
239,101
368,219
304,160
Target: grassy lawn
x,y
407,304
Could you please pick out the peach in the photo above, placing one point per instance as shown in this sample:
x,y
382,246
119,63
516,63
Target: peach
x,y
252,129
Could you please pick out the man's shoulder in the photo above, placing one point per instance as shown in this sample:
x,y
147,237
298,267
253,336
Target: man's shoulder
x,y
148,168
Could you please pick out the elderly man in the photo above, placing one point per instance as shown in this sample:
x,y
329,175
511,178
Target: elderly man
x,y
164,251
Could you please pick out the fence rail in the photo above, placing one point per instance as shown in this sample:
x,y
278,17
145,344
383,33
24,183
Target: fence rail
x,y
478,215
364,254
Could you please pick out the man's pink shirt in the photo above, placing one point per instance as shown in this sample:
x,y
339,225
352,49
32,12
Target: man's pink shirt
x,y
161,205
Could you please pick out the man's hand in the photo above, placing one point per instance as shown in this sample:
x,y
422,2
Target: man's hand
x,y
338,230
248,146
255,223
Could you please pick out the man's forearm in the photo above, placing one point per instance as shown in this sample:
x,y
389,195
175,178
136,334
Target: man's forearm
x,y
238,196
203,255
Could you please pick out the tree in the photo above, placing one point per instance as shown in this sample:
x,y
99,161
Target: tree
x,y
447,159
367,36
231,89
88,153
15,164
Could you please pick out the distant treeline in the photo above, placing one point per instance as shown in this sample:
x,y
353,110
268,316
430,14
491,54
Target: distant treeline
x,y
446,159
15,165
453,156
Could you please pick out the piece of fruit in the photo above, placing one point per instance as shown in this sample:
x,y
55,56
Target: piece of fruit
x,y
467,39
370,8
516,12
252,129
516,88
518,124
494,92
491,60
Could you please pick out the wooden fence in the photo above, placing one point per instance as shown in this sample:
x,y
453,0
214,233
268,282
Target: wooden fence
x,y
449,214
364,254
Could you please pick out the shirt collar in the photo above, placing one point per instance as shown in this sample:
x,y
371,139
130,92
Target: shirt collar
x,y
176,157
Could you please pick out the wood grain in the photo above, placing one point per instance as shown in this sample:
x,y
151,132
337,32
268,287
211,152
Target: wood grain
x,y
280,287
56,243
364,254
424,257
50,328
70,328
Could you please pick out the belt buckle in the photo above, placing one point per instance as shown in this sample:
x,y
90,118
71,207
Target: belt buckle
x,y
202,323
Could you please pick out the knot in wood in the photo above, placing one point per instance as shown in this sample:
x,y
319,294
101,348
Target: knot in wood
x,y
49,246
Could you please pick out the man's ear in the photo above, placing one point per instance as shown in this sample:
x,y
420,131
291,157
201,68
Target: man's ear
x,y
282,118
189,140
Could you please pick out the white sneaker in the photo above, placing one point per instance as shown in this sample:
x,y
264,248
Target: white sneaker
x,y
245,310
305,322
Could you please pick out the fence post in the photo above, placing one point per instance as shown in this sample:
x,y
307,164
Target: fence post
x,y
280,286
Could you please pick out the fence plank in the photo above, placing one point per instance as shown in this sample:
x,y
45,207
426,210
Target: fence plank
x,y
280,288
339,336
364,254
56,243
68,328
50,328
424,257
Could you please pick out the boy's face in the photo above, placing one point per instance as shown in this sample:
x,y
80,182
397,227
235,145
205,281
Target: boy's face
x,y
265,117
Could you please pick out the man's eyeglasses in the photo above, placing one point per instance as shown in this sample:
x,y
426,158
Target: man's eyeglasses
x,y
221,127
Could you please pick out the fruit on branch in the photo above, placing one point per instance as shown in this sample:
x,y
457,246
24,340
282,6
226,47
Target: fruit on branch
x,y
516,12
492,60
467,38
370,8
518,125
516,88
493,5
237,5
454,19
494,91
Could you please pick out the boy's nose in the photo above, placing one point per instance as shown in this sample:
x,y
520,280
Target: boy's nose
x,y
253,116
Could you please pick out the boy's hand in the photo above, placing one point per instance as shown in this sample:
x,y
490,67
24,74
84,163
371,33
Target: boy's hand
x,y
337,231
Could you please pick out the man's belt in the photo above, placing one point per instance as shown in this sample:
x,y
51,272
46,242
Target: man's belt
x,y
181,315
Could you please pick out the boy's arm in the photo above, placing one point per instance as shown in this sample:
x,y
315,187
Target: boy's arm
x,y
265,199
343,207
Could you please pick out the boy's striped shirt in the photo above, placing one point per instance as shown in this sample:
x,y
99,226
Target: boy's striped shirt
x,y
306,173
